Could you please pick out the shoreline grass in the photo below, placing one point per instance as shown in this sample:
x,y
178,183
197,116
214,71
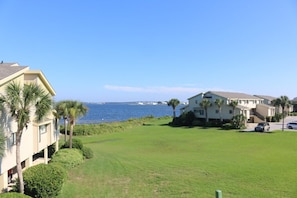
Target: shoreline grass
x,y
155,160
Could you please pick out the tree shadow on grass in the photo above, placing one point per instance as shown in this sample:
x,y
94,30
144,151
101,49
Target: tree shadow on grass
x,y
252,131
107,140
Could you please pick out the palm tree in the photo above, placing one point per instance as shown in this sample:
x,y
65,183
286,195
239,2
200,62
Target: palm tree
x,y
284,102
2,137
205,103
233,104
219,102
73,110
62,111
21,101
173,103
2,143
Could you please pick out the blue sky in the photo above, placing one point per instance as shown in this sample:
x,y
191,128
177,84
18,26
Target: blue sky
x,y
138,50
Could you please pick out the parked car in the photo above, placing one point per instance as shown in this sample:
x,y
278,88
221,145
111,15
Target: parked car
x,y
292,125
262,126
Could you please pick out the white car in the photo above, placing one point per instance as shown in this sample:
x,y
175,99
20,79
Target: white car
x,y
292,125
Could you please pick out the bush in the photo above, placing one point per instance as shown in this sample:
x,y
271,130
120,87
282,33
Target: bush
x,y
44,180
185,119
76,143
87,152
69,158
227,126
110,127
238,121
13,195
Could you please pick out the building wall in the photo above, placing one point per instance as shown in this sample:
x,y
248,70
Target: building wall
x,y
33,140
265,110
213,111
244,105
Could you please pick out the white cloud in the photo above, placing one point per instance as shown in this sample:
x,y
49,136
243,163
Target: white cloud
x,y
161,89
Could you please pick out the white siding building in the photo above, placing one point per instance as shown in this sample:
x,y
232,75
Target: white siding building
x,y
252,107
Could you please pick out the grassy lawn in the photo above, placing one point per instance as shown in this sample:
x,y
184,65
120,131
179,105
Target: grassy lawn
x,y
156,160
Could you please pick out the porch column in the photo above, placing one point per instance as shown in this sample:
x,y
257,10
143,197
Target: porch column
x,y
56,145
45,153
4,181
29,162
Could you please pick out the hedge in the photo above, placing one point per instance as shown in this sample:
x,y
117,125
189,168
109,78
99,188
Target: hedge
x,y
13,195
68,158
44,180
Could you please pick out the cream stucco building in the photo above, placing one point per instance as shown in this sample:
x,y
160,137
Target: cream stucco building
x,y
37,137
252,107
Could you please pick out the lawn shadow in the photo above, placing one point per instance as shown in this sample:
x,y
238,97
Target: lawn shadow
x,y
252,131
107,140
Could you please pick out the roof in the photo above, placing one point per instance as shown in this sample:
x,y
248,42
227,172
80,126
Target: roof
x,y
7,69
233,95
11,70
270,98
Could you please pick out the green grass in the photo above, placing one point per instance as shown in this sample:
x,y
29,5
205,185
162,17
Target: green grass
x,y
156,160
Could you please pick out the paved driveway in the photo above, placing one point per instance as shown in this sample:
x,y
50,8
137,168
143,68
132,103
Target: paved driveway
x,y
274,125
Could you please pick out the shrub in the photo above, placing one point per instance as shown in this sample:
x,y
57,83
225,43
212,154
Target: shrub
x,y
185,119
69,158
87,152
76,143
238,121
13,195
44,180
197,122
227,126
110,127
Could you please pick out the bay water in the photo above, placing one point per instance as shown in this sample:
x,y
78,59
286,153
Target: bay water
x,y
121,111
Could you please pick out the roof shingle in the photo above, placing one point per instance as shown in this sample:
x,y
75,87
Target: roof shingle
x,y
7,69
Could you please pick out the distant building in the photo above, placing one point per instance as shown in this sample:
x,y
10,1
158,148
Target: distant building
x,y
252,107
37,137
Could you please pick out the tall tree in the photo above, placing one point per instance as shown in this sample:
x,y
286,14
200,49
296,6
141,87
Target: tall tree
x,y
173,103
21,101
2,136
205,103
73,110
62,111
219,102
233,104
284,102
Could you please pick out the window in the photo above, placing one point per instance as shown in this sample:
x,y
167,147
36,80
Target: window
x,y
13,139
209,97
201,112
217,111
42,130
230,111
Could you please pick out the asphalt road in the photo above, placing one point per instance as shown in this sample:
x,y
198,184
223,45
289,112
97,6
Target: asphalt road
x,y
274,125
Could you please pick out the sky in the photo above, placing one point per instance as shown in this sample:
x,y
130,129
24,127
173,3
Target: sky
x,y
154,50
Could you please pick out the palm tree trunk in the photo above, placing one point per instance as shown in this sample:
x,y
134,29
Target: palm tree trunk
x,y
220,111
65,129
70,135
283,118
18,162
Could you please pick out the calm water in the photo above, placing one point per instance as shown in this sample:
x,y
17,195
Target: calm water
x,y
110,112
